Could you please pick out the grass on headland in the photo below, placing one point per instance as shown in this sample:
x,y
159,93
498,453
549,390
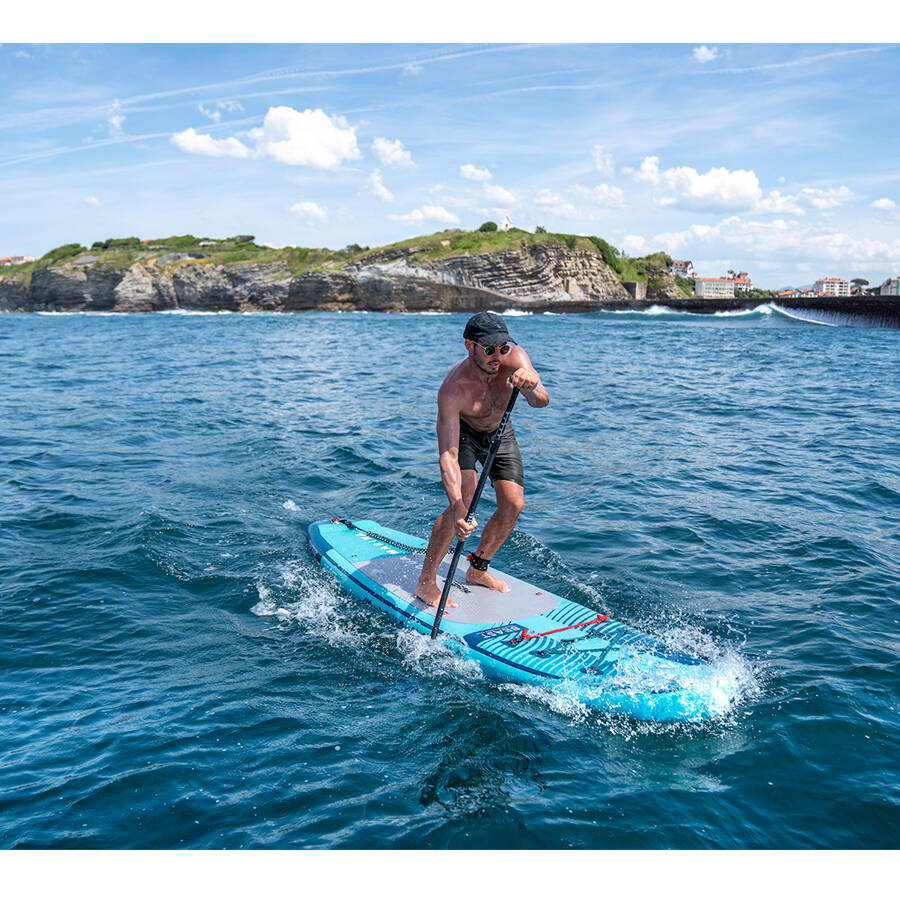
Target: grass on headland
x,y
121,253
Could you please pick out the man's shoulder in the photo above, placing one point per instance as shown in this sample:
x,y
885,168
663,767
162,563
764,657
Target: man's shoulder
x,y
455,376
455,385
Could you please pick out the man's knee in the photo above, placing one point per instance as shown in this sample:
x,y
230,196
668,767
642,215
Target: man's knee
x,y
510,504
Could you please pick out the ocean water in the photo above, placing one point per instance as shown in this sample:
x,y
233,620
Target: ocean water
x,y
177,672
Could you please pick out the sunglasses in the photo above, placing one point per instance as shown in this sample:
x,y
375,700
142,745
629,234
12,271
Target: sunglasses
x,y
490,351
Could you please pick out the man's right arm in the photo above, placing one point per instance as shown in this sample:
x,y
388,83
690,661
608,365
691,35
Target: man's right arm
x,y
448,449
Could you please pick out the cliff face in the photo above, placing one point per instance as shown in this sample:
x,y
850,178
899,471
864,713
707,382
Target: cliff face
x,y
542,277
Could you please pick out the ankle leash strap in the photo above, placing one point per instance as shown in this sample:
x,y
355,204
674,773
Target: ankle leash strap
x,y
478,562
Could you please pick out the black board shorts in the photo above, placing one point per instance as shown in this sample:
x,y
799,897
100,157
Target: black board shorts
x,y
474,446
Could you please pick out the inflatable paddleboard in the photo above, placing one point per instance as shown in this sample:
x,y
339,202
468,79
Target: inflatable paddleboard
x,y
529,635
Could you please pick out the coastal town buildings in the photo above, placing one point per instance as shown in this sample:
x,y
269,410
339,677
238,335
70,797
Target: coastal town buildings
x,y
722,287
741,280
891,288
833,287
798,293
15,260
713,287
682,267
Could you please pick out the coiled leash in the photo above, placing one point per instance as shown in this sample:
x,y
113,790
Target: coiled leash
x,y
391,542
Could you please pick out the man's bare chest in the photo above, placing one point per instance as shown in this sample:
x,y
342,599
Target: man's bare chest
x,y
484,406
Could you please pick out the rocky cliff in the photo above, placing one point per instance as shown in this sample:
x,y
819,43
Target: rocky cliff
x,y
535,278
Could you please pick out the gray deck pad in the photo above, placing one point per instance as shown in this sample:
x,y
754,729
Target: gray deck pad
x,y
480,606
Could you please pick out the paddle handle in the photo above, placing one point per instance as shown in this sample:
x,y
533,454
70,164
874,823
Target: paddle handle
x,y
482,480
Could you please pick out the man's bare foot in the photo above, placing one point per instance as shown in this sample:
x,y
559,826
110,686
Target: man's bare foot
x,y
485,579
430,594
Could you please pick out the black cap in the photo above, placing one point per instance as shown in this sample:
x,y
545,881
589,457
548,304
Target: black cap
x,y
487,328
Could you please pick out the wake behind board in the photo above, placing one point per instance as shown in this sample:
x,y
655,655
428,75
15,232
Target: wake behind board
x,y
529,635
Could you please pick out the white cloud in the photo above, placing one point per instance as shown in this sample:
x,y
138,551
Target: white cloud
x,y
781,204
493,193
215,112
634,245
790,242
474,174
392,154
601,194
719,189
427,213
206,145
649,170
884,204
376,186
797,204
310,211
556,204
704,54
115,119
413,69
93,201
603,162
830,199
308,138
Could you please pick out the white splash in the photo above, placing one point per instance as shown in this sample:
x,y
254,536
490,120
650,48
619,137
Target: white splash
x,y
435,658
311,601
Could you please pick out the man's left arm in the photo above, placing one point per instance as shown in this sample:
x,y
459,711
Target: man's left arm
x,y
527,380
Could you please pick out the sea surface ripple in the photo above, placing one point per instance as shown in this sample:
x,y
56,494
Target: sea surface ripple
x,y
177,672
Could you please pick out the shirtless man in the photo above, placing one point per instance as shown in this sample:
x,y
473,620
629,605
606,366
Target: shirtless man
x,y
471,403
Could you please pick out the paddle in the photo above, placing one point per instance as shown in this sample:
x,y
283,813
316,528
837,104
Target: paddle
x,y
485,471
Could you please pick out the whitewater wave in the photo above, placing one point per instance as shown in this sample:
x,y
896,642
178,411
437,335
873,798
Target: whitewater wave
x,y
793,314
197,312
764,309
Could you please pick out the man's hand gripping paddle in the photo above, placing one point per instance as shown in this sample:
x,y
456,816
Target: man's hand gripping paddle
x,y
485,471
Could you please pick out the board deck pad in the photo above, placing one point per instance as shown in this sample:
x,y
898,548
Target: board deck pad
x,y
529,635
477,605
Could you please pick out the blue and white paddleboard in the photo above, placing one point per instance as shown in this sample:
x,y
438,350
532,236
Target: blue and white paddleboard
x,y
529,636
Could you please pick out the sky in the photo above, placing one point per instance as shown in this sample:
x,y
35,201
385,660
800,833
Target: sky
x,y
776,159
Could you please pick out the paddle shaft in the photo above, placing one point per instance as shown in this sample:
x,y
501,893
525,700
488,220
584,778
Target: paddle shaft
x,y
485,471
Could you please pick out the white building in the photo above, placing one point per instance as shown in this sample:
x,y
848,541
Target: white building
x,y
741,280
891,288
15,260
507,224
682,267
713,287
833,287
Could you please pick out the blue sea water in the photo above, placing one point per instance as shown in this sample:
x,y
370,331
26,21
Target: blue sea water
x,y
177,672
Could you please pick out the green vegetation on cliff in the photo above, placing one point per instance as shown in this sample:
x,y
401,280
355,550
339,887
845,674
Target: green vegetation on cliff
x,y
181,250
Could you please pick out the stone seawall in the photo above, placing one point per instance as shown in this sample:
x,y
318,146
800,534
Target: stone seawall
x,y
876,312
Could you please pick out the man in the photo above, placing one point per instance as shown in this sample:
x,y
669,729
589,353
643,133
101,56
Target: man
x,y
471,403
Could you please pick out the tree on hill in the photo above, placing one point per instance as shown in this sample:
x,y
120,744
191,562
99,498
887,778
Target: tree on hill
x,y
488,226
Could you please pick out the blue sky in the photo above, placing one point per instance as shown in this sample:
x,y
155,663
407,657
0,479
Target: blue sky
x,y
778,159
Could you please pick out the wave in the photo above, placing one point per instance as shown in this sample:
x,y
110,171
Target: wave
x,y
196,312
657,310
78,312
